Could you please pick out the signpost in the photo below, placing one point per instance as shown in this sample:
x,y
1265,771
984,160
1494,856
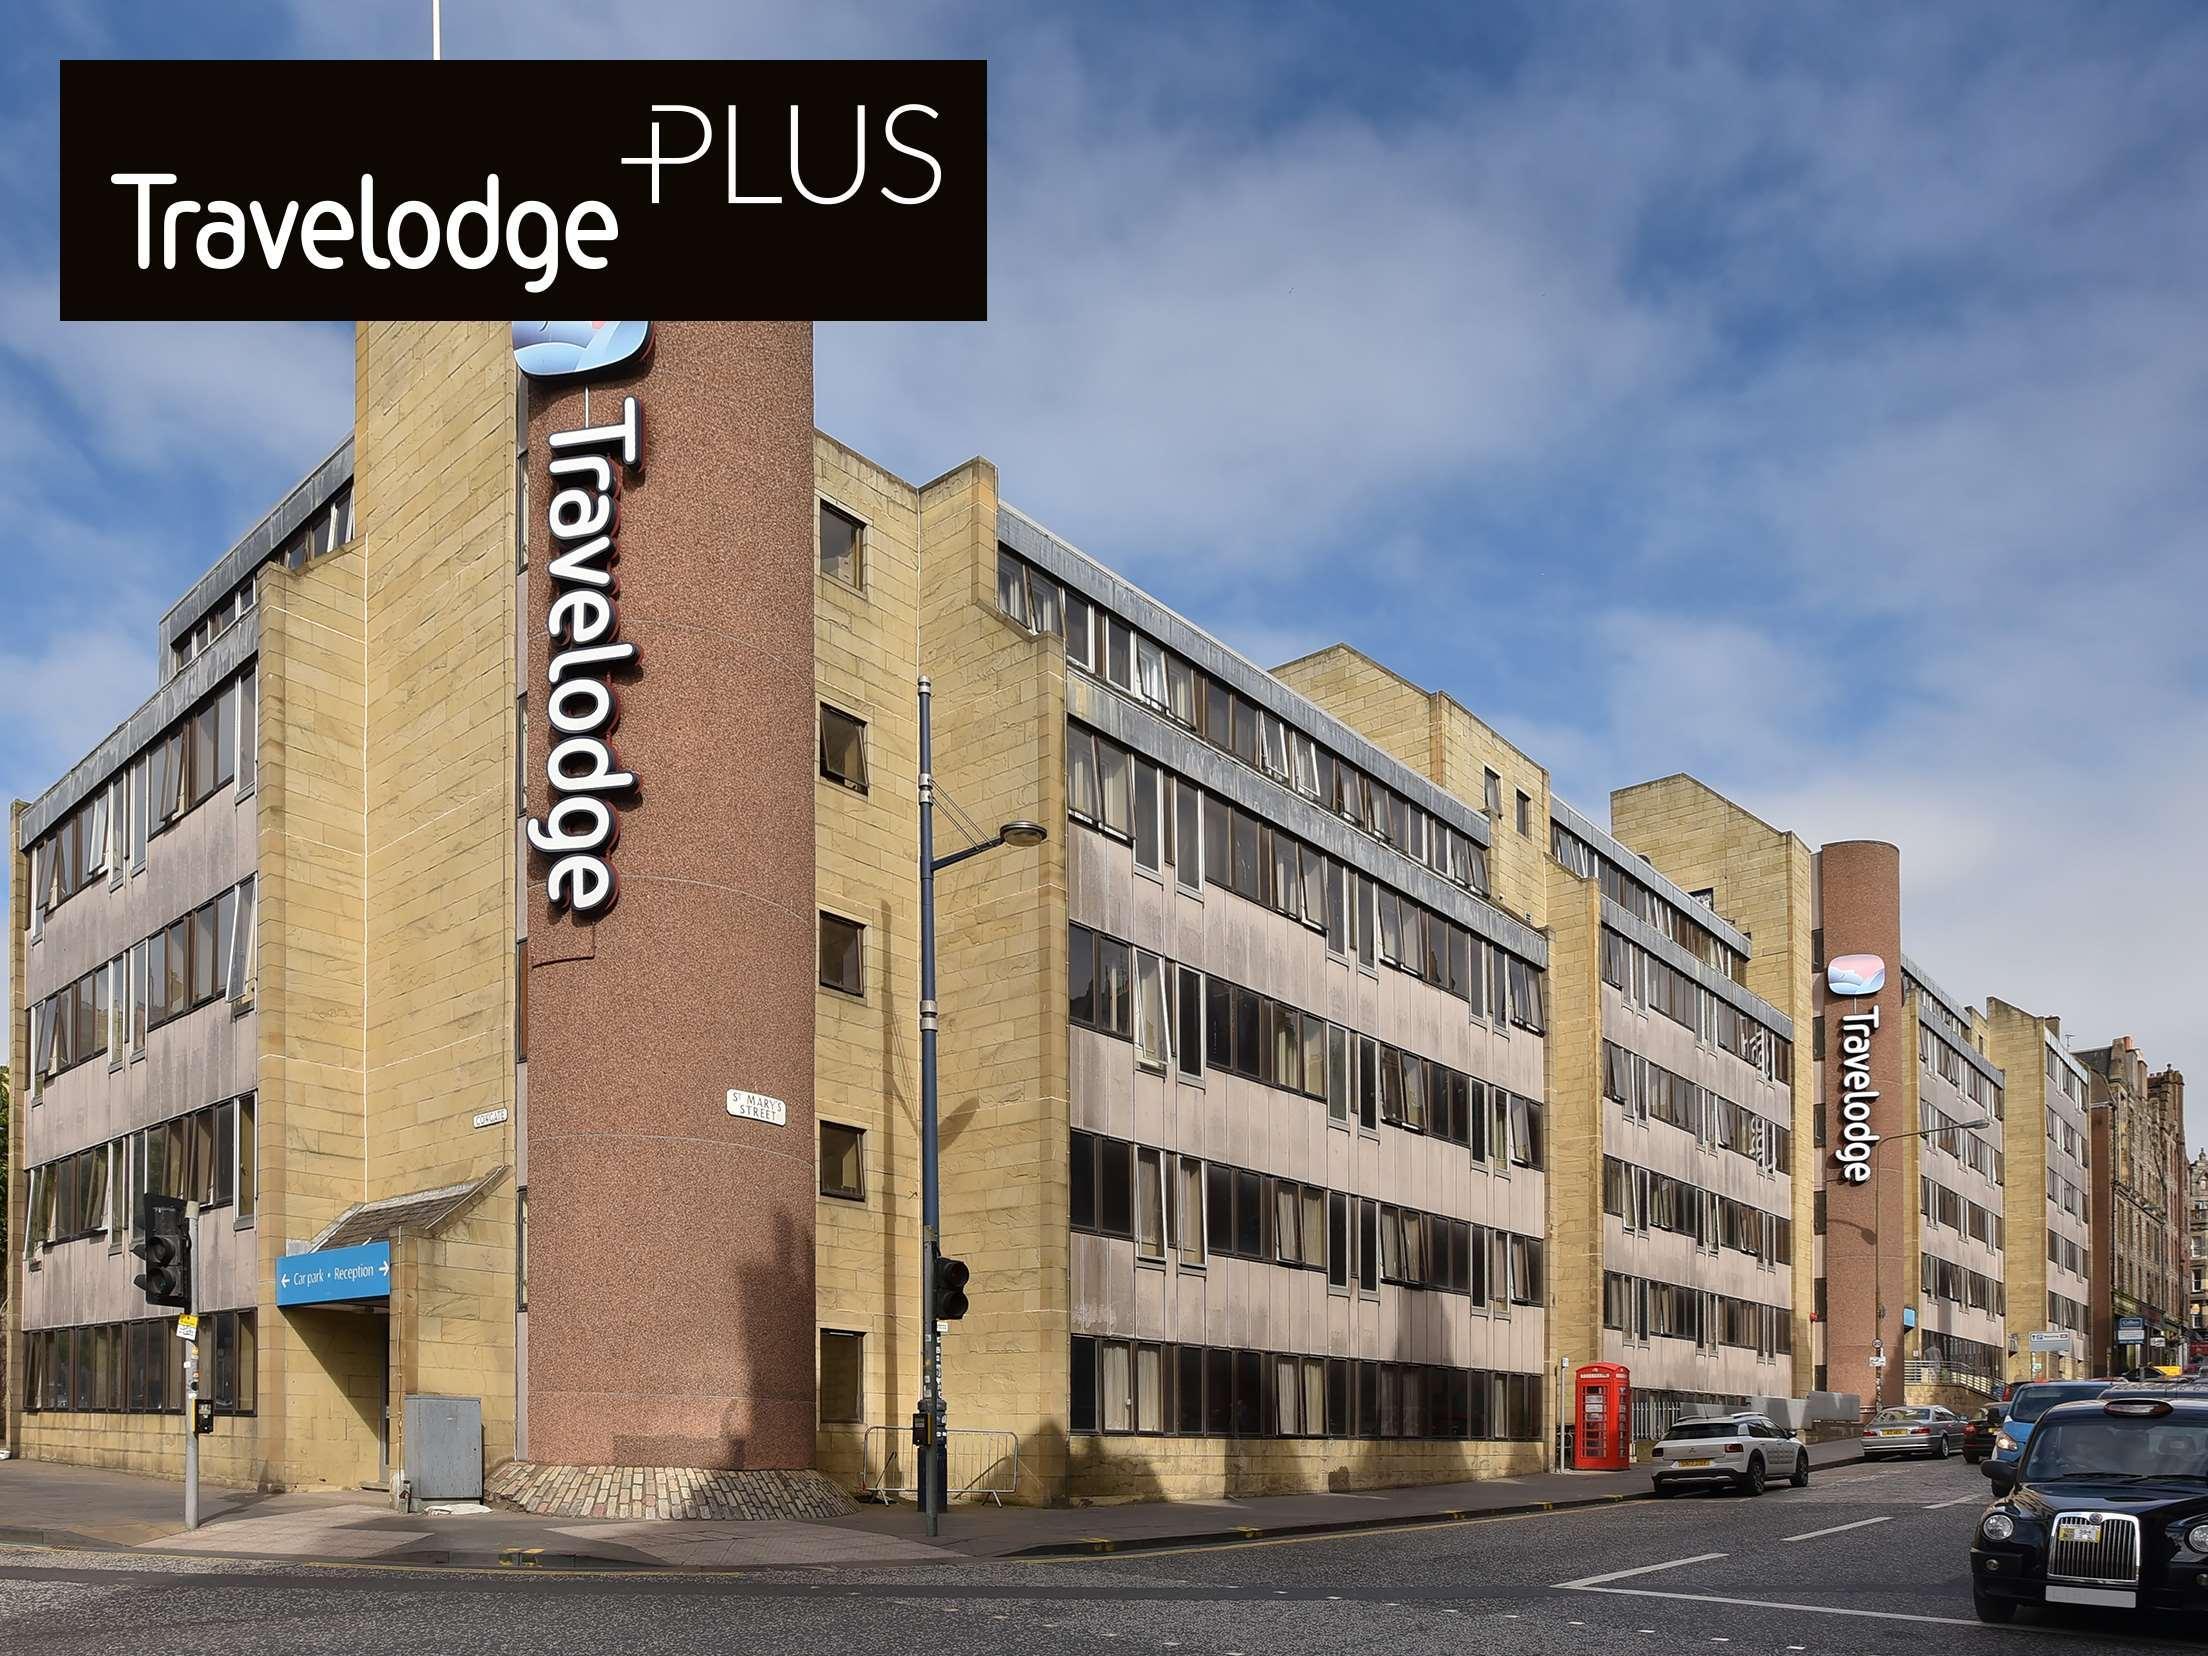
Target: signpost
x,y
362,1272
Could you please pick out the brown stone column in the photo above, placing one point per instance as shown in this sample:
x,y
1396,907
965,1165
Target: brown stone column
x,y
1860,896
671,1270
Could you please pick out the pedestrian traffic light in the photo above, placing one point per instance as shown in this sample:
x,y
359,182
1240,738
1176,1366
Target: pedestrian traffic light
x,y
950,1288
165,1244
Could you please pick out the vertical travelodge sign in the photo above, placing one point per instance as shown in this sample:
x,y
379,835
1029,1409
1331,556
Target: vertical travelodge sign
x,y
583,775
664,631
1856,977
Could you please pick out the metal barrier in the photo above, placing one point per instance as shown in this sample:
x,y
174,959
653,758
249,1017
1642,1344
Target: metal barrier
x,y
1920,1371
981,1463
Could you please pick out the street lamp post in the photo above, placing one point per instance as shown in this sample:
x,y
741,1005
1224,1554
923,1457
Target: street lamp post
x,y
1020,833
1878,1236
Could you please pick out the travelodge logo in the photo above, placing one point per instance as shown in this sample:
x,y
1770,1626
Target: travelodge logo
x,y
575,350
1853,974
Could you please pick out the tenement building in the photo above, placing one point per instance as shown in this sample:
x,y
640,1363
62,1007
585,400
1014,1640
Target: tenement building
x,y
2196,1257
2049,1213
1906,1109
501,920
2139,1214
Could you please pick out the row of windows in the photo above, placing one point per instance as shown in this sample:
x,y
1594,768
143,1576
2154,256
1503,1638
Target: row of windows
x,y
191,962
1945,1280
1646,1199
1643,1309
1948,1136
1128,1386
191,645
2061,1250
1208,840
1945,1058
1646,1090
1100,643
2063,1136
1647,981
2068,1195
213,745
210,1156
1942,1206
1180,1205
1180,1018
1636,898
138,1367
2071,1083
2064,1312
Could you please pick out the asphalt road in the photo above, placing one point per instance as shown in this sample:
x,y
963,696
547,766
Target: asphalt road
x,y
1867,1559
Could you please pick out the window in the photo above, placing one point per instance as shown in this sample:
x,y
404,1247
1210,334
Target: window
x,y
1190,1230
842,955
1147,824
1491,793
1187,836
842,1170
842,545
1150,1204
842,748
1153,1038
1189,1043
1100,1181
842,1375
1525,812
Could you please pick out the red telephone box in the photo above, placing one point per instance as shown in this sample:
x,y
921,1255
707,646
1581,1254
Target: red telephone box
x,y
1602,1404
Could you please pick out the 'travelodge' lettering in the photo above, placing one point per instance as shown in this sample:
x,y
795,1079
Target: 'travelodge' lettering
x,y
1857,1095
580,826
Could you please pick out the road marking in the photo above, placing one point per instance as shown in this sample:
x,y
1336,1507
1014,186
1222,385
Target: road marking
x,y
1860,1523
1776,1604
1594,1582
1957,1501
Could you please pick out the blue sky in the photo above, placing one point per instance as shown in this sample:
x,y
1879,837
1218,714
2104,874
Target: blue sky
x,y
1809,398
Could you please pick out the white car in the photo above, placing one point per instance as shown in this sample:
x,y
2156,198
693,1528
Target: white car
x,y
1740,1451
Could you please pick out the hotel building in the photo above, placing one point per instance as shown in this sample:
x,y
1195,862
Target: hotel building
x,y
1674,1204
1911,1302
2049,1229
579,1076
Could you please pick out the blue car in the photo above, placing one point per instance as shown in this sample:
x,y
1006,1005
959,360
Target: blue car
x,y
2032,1401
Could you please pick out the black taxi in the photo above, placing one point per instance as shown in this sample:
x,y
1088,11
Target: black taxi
x,y
2107,1507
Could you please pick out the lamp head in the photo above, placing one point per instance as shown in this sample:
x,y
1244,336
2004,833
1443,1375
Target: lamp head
x,y
1024,834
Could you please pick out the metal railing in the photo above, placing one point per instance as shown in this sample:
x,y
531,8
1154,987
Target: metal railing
x,y
982,1464
1921,1371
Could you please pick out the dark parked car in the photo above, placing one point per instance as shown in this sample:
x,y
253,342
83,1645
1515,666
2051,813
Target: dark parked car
x,y
2108,1507
1979,1432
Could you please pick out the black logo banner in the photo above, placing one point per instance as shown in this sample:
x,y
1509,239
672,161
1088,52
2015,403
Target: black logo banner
x,y
420,191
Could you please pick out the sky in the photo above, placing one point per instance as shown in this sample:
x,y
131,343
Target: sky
x,y
1810,398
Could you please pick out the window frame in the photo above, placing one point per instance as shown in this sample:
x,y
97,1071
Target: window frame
x,y
828,917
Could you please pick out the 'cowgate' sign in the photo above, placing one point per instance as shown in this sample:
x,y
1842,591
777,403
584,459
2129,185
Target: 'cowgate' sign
x,y
586,781
1856,975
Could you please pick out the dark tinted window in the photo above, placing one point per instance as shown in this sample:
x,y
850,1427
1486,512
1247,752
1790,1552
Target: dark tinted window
x,y
2123,1446
2033,1401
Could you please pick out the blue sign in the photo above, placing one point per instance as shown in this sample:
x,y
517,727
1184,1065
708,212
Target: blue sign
x,y
335,1274
1908,1316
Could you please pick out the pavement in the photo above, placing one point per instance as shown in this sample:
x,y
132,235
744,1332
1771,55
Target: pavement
x,y
51,1505
1868,1560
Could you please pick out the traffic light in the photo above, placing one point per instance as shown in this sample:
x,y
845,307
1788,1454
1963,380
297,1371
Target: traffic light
x,y
165,1244
950,1288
